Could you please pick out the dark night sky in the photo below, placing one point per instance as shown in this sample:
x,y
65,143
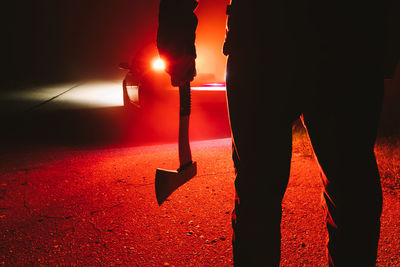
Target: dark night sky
x,y
53,40
68,39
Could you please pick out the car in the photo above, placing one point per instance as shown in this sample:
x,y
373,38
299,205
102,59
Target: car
x,y
147,84
148,93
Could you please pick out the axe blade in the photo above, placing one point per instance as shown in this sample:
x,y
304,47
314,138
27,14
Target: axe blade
x,y
167,181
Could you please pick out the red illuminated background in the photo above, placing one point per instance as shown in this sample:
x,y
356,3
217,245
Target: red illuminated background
x,y
65,202
54,40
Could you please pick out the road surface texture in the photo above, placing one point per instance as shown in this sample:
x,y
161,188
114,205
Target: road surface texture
x,y
97,207
77,186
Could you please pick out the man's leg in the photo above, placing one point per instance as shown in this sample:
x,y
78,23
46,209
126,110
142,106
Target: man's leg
x,y
262,152
343,131
257,215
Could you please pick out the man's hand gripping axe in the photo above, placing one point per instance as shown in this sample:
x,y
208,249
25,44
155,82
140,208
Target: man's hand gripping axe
x,y
167,181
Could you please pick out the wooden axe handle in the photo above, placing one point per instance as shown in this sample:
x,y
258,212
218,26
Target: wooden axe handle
x,y
185,155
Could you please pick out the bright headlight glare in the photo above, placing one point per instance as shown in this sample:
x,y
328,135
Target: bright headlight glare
x,y
159,64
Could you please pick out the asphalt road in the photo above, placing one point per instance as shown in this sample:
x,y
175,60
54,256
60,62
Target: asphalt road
x,y
77,188
92,113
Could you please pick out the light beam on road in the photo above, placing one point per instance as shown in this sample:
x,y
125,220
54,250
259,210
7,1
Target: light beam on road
x,y
95,94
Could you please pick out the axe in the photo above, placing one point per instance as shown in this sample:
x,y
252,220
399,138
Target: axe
x,y
167,181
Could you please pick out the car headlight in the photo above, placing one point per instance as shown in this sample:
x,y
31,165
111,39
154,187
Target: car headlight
x,y
158,64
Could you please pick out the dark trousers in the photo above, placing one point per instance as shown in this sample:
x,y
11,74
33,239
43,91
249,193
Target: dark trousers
x,y
340,102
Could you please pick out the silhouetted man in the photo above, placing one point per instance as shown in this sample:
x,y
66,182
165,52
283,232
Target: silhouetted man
x,y
321,59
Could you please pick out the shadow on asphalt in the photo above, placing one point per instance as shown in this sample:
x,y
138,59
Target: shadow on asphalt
x,y
119,126
109,126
